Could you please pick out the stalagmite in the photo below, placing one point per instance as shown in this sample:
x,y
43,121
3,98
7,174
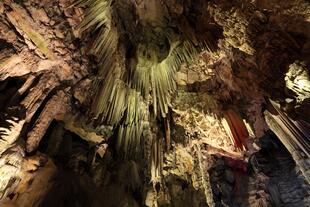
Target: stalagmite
x,y
205,178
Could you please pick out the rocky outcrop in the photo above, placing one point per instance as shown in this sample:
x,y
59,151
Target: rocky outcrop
x,y
40,52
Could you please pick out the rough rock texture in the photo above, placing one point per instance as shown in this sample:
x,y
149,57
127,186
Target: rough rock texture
x,y
267,180
40,70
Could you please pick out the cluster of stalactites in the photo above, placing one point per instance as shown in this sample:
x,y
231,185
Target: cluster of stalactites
x,y
121,101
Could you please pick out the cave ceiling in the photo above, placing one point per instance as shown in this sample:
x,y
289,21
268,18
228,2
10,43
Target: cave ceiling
x,y
156,102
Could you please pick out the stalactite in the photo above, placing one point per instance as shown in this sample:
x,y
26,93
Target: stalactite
x,y
157,166
237,129
293,134
167,132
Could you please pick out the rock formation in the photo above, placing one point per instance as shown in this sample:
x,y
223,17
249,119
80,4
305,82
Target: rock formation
x,y
154,103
